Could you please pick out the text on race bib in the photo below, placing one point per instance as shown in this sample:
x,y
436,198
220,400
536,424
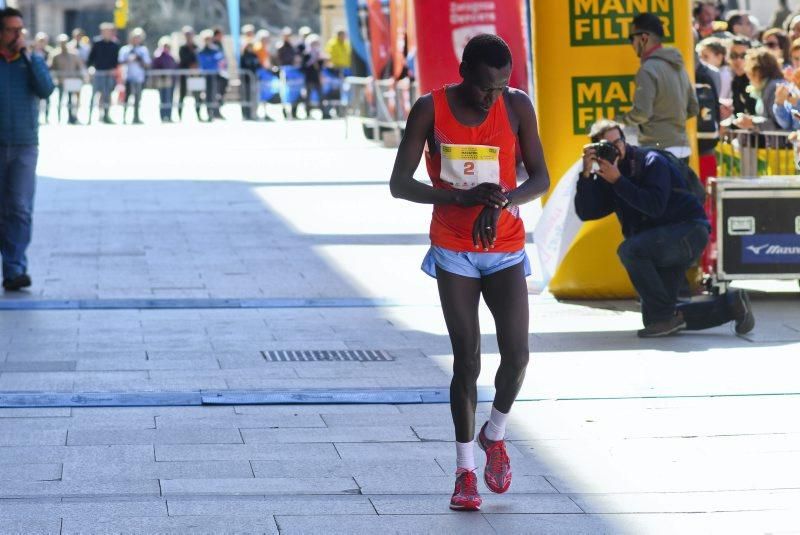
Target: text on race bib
x,y
466,166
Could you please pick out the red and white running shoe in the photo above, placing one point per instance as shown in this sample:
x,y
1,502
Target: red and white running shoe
x,y
465,496
498,467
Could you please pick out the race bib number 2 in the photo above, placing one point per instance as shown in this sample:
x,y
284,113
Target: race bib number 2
x,y
466,166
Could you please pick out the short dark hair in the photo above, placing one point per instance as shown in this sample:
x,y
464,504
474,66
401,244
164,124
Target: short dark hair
x,y
488,49
602,127
650,23
7,13
735,17
697,7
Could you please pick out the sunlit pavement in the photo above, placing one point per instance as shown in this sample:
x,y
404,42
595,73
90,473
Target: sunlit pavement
x,y
215,243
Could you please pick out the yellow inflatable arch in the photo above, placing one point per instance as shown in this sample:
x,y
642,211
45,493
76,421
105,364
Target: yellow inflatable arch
x,y
583,71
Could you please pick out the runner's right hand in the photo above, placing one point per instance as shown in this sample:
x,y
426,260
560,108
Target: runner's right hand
x,y
485,194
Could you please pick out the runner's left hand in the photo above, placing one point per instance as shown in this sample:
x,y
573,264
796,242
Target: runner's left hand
x,y
484,230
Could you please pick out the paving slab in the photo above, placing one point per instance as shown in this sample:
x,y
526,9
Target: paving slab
x,y
242,421
72,507
171,525
30,472
437,504
250,452
39,489
59,454
258,486
51,526
90,437
386,523
92,471
391,483
339,435
342,468
310,505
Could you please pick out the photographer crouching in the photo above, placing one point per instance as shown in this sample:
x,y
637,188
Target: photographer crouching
x,y
664,226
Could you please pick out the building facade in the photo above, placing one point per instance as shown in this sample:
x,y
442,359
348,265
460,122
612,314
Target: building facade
x,y
62,16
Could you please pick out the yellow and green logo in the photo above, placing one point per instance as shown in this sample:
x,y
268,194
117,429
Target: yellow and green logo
x,y
600,97
607,22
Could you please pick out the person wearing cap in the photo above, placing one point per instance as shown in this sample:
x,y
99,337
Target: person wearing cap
x,y
248,35
211,60
165,83
187,59
261,49
103,60
66,64
223,75
80,43
665,97
136,59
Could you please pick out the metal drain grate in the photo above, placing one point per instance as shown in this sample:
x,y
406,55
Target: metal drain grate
x,y
335,355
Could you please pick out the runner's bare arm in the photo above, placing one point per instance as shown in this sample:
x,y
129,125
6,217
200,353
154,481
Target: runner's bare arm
x,y
532,152
403,185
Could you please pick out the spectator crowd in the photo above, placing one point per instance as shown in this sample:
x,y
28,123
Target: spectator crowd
x,y
186,64
753,71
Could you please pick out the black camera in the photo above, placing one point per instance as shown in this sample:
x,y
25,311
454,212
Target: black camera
x,y
606,150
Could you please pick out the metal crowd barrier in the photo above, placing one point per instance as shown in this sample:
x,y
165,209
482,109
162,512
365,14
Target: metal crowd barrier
x,y
750,154
378,105
81,93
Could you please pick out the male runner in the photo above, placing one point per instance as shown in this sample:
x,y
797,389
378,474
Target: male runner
x,y
472,130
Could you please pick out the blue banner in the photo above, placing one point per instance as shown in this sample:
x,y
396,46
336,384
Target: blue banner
x,y
354,30
331,83
269,85
293,83
771,249
234,16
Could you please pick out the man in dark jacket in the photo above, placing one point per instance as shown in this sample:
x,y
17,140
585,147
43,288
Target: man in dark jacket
x,y
665,231
187,59
25,80
104,59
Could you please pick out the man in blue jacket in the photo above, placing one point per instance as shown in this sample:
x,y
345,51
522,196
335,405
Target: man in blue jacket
x,y
665,230
24,80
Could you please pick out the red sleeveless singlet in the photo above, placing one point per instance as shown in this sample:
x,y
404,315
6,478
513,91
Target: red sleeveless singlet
x,y
463,157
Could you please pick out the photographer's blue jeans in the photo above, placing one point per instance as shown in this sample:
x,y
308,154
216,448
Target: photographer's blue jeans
x,y
656,261
17,189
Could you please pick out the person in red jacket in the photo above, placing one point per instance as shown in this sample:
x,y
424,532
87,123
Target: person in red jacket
x,y
472,131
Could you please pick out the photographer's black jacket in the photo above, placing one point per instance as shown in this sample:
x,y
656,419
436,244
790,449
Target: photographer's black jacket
x,y
650,193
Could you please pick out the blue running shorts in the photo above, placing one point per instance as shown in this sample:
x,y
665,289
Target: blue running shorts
x,y
474,265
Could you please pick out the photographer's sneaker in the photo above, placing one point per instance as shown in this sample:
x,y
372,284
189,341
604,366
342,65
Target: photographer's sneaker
x,y
497,473
739,303
465,496
663,328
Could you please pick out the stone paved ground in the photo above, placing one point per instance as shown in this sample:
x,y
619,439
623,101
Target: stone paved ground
x,y
694,434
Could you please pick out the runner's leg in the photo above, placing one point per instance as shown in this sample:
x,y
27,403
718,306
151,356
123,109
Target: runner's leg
x,y
460,297
506,295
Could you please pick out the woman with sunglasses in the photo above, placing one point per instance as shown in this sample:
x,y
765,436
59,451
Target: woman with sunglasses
x,y
765,74
777,41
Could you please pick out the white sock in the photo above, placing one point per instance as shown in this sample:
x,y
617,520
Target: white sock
x,y
496,427
465,456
